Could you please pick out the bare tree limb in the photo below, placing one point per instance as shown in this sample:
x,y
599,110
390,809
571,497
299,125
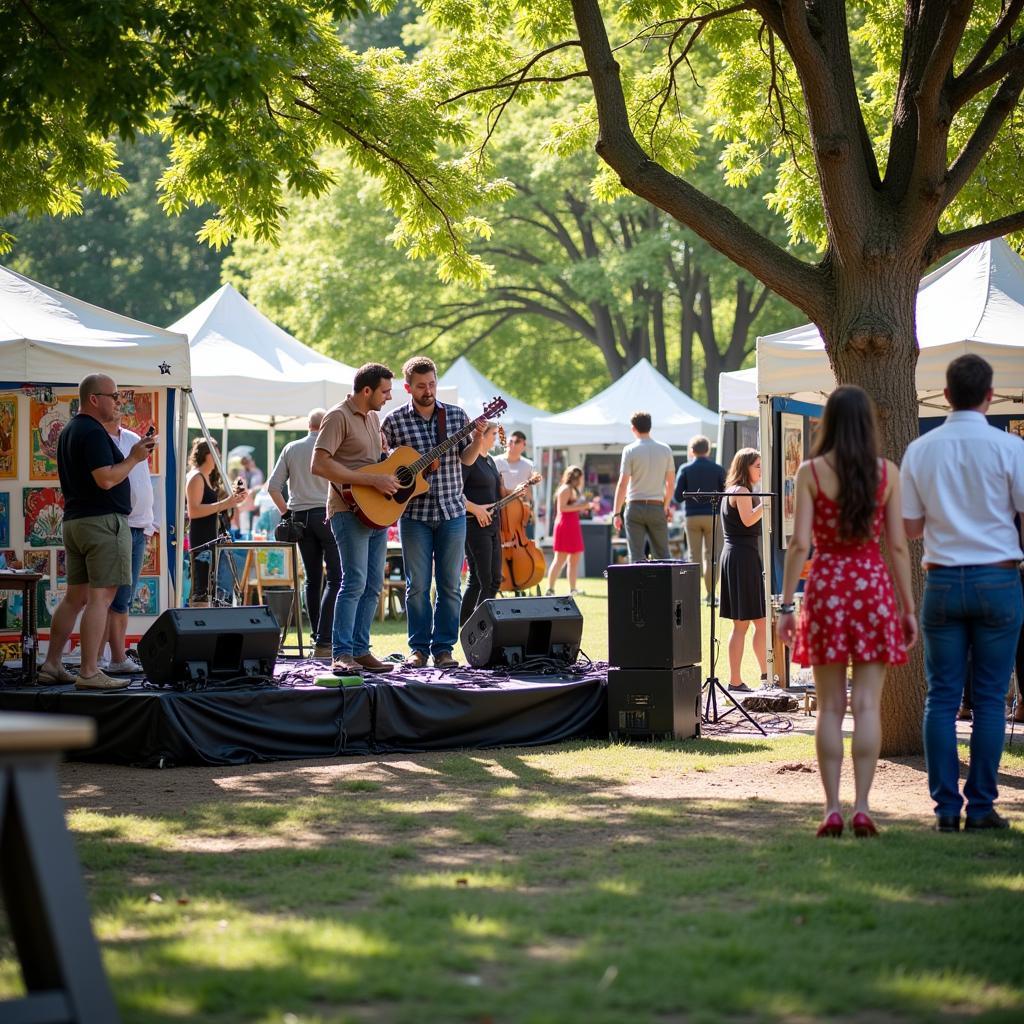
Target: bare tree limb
x,y
966,88
514,79
1000,30
943,244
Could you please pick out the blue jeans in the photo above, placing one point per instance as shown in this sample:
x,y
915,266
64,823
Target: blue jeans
x,y
363,551
968,610
123,598
433,550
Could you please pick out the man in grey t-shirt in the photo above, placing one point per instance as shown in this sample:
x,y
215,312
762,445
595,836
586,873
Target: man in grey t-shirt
x,y
646,476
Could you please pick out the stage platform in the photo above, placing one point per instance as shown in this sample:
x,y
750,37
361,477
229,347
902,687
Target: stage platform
x,y
409,712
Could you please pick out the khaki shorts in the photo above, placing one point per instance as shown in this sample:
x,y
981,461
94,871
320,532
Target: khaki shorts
x,y
99,551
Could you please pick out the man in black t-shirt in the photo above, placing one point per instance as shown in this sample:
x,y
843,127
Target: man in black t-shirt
x,y
97,499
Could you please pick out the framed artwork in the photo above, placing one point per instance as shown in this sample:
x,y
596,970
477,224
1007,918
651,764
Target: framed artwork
x,y
47,599
8,437
147,598
46,421
274,565
1013,427
139,411
151,556
5,519
37,561
62,562
10,649
792,455
13,608
44,514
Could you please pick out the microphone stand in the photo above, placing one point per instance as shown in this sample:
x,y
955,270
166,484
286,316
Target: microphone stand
x,y
712,684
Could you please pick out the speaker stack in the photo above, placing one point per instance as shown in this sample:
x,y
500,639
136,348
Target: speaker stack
x,y
508,631
654,631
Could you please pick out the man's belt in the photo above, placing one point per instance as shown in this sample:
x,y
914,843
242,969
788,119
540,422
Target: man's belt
x,y
645,501
1008,564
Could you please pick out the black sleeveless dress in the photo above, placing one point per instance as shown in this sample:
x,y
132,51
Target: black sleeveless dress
x,y
742,579
202,531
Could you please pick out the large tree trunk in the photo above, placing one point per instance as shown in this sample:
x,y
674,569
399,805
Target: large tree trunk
x,y
872,342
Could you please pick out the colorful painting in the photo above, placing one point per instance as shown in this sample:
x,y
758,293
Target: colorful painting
x,y
10,649
151,556
8,556
147,598
46,421
5,519
1016,427
47,599
62,562
36,561
8,437
140,410
792,456
12,606
44,514
274,565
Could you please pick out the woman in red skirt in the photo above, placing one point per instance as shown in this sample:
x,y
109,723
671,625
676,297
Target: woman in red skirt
x,y
567,539
845,497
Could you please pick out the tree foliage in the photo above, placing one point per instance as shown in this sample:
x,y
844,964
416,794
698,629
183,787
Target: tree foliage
x,y
123,253
248,93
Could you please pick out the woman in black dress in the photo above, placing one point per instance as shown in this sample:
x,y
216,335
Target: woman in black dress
x,y
481,484
204,501
742,582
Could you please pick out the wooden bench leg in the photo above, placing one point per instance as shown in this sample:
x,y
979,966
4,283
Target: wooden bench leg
x,y
46,902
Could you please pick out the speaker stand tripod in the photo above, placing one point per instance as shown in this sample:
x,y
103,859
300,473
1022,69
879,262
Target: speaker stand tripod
x,y
712,684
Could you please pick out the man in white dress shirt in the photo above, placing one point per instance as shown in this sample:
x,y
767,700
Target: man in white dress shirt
x,y
962,484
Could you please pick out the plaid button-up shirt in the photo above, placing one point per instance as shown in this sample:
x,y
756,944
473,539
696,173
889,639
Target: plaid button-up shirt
x,y
405,426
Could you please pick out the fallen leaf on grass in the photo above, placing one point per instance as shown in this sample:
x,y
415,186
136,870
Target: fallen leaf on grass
x,y
462,881
795,766
155,897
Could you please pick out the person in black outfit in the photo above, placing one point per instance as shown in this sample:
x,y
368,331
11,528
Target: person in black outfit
x,y
482,487
97,501
700,474
742,583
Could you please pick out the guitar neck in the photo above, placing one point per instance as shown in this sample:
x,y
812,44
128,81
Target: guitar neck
x,y
439,451
502,502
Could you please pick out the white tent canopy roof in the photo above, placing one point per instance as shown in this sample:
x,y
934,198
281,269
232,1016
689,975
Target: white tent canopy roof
x,y
47,336
475,391
604,419
737,392
974,303
243,363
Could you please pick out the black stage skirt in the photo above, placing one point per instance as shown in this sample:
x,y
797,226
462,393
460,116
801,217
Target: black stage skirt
x,y
742,581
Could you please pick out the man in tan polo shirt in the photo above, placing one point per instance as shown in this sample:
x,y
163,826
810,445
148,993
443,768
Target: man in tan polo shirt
x,y
349,440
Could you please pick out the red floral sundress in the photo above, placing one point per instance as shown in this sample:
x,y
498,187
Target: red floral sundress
x,y
849,610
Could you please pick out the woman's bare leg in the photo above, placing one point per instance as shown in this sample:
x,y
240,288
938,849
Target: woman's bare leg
x,y
868,680
737,642
830,694
557,564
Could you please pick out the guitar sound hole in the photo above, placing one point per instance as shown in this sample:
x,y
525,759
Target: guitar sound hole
x,y
405,476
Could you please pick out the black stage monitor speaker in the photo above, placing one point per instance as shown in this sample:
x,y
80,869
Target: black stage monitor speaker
x,y
509,630
654,614
192,647
654,703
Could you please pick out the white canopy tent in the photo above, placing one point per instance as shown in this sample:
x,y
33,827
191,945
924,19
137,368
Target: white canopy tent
x,y
737,392
475,391
974,303
49,339
603,421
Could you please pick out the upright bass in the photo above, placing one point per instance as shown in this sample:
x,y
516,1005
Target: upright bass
x,y
522,564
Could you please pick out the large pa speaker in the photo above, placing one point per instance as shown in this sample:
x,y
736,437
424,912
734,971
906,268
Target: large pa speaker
x,y
510,630
654,614
654,703
189,648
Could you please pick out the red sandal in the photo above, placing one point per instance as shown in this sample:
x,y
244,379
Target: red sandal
x,y
862,825
831,827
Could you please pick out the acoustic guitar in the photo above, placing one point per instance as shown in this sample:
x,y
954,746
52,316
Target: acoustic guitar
x,y
378,510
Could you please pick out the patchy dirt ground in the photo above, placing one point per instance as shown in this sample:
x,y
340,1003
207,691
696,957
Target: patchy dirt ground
x,y
900,789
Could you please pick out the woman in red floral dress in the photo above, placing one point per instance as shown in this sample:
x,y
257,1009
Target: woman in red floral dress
x,y
845,496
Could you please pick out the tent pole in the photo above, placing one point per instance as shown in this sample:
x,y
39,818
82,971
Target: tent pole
x,y
179,513
767,462
223,441
271,446
548,525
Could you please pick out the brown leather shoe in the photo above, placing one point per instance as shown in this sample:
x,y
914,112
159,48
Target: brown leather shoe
x,y
445,660
415,660
371,664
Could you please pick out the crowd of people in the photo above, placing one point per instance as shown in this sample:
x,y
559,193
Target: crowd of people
x,y
960,487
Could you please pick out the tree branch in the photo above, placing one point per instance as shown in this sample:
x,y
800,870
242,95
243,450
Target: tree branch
x,y
965,89
804,286
999,31
943,244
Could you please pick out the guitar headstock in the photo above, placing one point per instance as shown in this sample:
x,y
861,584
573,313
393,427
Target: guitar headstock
x,y
535,478
494,408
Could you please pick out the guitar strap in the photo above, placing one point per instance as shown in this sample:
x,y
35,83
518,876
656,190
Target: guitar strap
x,y
442,424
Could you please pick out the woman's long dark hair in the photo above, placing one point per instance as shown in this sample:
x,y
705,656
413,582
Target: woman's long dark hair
x,y
197,456
739,470
849,433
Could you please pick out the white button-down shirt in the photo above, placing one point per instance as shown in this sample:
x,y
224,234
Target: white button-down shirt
x,y
143,514
966,479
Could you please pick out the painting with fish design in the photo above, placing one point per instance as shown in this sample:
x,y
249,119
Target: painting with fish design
x,y
44,514
46,421
140,410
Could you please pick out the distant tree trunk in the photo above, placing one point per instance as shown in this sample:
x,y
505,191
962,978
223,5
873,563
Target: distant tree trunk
x,y
658,331
871,342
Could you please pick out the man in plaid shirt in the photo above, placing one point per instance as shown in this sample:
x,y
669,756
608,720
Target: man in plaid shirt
x,y
433,526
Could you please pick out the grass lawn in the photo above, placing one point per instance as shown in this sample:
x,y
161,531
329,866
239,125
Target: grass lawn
x,y
584,883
